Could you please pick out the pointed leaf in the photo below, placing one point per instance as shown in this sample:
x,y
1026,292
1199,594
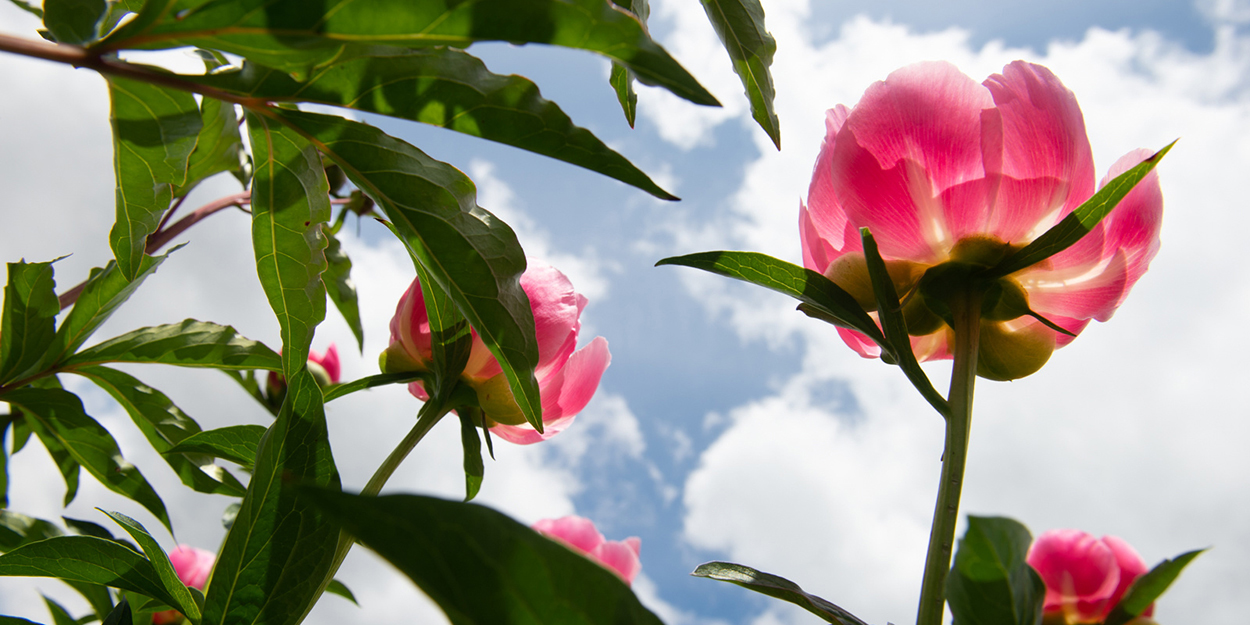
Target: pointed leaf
x,y
74,21
990,582
87,528
28,324
121,615
621,79
447,88
341,288
183,602
164,425
85,559
13,620
65,462
338,588
381,379
188,344
891,313
59,615
34,7
474,468
292,36
105,291
776,587
1079,222
740,26
1149,587
290,201
218,146
471,255
480,566
274,531
154,131
236,443
17,529
805,285
60,414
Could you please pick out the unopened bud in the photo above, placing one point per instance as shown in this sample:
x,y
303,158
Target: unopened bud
x,y
1010,351
850,271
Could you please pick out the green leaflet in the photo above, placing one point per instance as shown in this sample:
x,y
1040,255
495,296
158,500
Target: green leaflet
x,y
292,36
1149,587
447,88
188,344
471,255
86,559
236,443
154,131
160,563
740,25
621,79
340,288
28,324
74,21
990,582
218,147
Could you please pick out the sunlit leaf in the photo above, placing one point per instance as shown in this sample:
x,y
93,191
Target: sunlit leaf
x,y
217,147
28,323
740,25
188,344
621,79
381,379
86,559
17,529
776,587
236,443
183,602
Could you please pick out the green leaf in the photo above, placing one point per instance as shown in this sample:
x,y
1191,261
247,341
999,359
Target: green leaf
x,y
60,414
480,566
97,596
290,202
339,588
87,528
474,468
105,291
891,313
740,26
450,338
621,79
382,379
819,293
218,147
990,582
86,559
5,421
1079,222
65,462
154,131
28,324
275,531
34,7
74,21
293,37
471,255
17,529
1149,587
188,344
13,620
183,602
776,587
121,615
236,443
165,425
59,615
341,288
446,88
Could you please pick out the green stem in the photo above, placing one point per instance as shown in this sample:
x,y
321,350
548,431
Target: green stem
x,y
431,413
966,310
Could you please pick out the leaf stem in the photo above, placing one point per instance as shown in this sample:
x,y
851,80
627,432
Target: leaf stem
x,y
966,309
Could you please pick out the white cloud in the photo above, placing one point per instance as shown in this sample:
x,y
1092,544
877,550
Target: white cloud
x,y
1134,430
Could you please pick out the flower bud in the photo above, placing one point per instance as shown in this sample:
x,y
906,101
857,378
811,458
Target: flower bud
x,y
850,271
1085,576
1010,350
580,534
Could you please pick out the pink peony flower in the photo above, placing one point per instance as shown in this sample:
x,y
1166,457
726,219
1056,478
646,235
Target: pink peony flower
x,y
327,363
942,169
193,567
1085,576
567,379
619,556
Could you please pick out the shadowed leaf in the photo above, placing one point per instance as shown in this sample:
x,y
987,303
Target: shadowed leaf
x,y
236,443
188,344
28,323
1149,587
740,26
776,587
86,559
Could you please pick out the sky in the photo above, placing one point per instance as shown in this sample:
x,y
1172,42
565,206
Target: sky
x,y
729,426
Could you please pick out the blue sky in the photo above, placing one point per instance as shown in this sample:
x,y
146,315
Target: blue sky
x,y
730,426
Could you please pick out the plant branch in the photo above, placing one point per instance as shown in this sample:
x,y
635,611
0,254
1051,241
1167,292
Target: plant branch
x,y
966,309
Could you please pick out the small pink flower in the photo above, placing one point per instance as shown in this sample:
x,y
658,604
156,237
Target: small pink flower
x,y
193,567
1085,576
328,363
619,556
943,169
567,379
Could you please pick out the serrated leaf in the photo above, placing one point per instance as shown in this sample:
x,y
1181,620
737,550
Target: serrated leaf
x,y
85,559
290,202
28,324
381,379
341,288
990,582
740,26
336,587
17,529
1079,222
105,291
447,88
776,587
218,146
890,312
74,21
188,344
60,414
1149,587
236,443
292,36
274,530
471,255
154,131
474,468
183,602
164,425
480,566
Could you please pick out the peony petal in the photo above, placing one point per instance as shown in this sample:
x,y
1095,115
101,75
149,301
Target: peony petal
x,y
1094,295
575,531
1080,572
410,326
564,393
1133,227
828,218
817,251
860,342
1131,567
1043,138
192,565
621,557
556,308
910,139
329,361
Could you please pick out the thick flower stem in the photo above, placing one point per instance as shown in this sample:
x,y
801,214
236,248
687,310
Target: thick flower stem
x,y
966,309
